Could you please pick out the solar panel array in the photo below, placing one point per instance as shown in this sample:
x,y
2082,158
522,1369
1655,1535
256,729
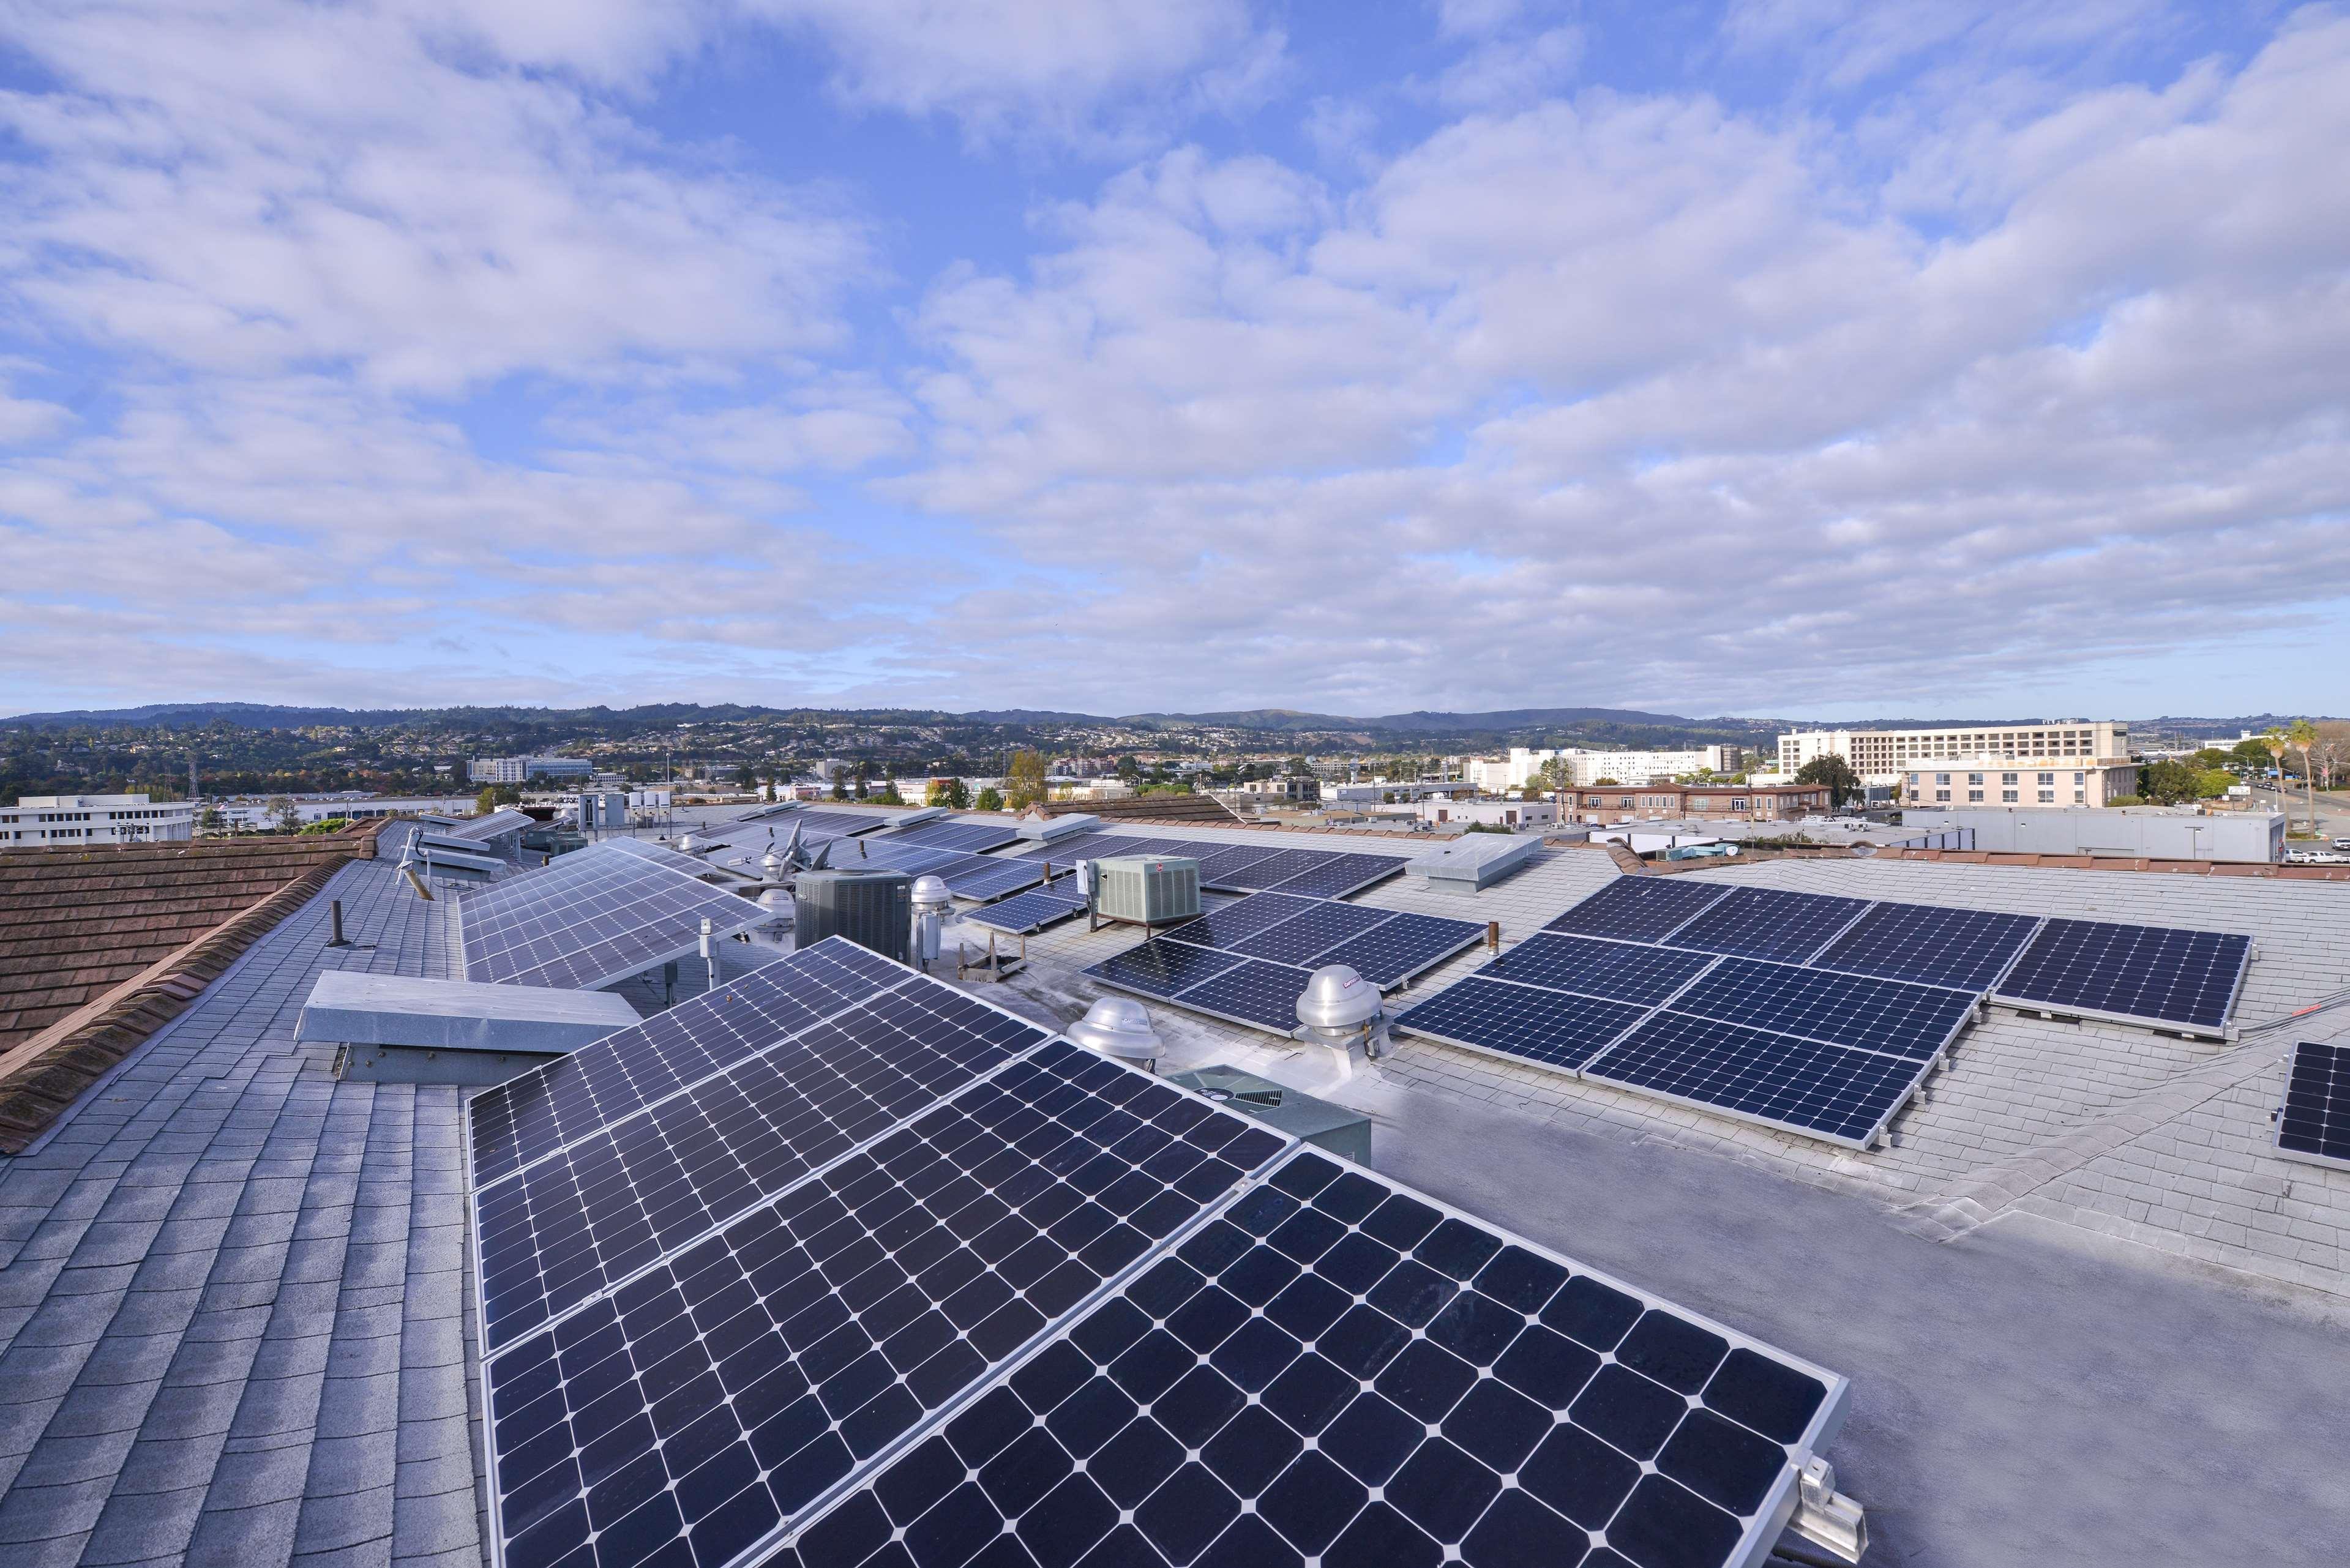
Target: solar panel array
x,y
744,1275
1238,868
1817,1014
966,874
594,917
1336,1370
1033,910
481,829
1250,960
2314,1123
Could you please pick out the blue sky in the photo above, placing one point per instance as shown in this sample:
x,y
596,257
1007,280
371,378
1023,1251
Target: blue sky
x,y
1786,357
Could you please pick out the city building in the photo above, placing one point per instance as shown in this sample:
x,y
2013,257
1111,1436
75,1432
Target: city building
x,y
1588,767
2037,782
1491,775
1296,790
2153,832
76,819
1510,814
1700,803
1900,756
521,770
263,813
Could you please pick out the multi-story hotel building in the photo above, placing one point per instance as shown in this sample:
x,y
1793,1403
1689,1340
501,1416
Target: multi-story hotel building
x,y
2059,762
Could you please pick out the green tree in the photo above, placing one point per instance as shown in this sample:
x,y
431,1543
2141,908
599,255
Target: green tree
x,y
486,802
1024,781
2303,736
1296,768
1607,783
283,814
953,793
1556,775
2215,783
990,799
1833,771
212,821
888,793
841,786
2169,782
2251,753
2209,757
1130,767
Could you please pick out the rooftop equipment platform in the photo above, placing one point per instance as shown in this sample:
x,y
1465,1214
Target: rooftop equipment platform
x,y
396,1029
1474,860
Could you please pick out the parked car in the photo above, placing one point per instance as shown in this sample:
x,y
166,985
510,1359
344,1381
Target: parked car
x,y
2341,843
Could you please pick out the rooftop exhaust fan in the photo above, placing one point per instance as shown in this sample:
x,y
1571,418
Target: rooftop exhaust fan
x,y
1118,1026
1339,1007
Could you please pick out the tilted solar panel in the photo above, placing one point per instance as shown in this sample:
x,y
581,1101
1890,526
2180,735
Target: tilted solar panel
x,y
983,877
1161,967
2314,1123
966,837
1890,1015
595,917
533,1114
1338,1371
1257,875
1338,876
705,1403
1218,862
576,1223
1823,1091
1310,931
1394,951
2147,973
1639,908
1032,910
1768,923
1554,1028
1239,918
1967,949
1253,991
1619,972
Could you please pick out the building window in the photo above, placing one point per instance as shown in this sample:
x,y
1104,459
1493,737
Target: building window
x,y
1974,795
2008,796
2080,797
2048,778
2007,779
1942,794
2080,779
1974,778
1942,779
2048,797
1736,804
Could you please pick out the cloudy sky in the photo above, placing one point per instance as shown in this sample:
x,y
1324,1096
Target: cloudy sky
x,y
1787,357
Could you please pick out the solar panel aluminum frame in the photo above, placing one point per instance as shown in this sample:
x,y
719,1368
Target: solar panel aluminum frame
x,y
1862,1143
1177,998
755,916
1936,1059
1400,983
879,1460
2276,1117
1770,1516
2036,1007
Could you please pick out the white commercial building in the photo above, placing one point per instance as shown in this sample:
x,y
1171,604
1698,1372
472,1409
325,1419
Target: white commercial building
x,y
265,813
78,819
1510,814
1588,767
521,770
1885,756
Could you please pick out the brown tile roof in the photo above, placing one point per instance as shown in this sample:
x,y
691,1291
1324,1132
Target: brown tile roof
x,y
99,945
1193,808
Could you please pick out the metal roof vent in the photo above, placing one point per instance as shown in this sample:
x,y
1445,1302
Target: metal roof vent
x,y
771,866
777,903
689,845
931,893
1118,1026
1339,1007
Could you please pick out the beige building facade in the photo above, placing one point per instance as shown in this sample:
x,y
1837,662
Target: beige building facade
x,y
2062,747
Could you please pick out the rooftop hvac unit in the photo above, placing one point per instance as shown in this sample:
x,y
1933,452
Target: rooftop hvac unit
x,y
875,910
1147,889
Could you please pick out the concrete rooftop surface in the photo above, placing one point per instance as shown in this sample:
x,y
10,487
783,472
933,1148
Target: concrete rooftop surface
x,y
2088,1315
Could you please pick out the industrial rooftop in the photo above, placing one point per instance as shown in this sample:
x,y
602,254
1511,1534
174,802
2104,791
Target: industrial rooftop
x,y
2087,1313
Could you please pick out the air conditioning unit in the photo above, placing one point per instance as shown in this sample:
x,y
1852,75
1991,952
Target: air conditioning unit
x,y
875,910
1147,889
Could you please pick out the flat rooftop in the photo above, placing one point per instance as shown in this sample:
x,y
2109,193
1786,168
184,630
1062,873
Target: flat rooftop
x,y
234,1290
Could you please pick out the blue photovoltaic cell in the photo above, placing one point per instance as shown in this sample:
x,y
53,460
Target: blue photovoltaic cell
x,y
1768,923
1392,952
1827,1091
1323,926
595,915
1239,918
1077,847
1619,972
1341,875
698,1407
1259,874
1033,910
1253,990
1161,967
534,1114
1551,1027
1336,1370
1967,948
2314,1122
577,1223
965,837
2151,973
1639,908
1218,862
987,878
1890,1015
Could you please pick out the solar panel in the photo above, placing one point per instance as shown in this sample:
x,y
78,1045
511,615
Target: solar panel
x,y
1251,992
1639,908
1823,1091
2314,1123
1394,951
1240,919
1097,845
1967,949
1554,1028
2138,973
1889,1015
1338,876
1031,911
966,837
1218,862
1768,923
1161,967
479,829
594,917
1619,972
1339,1371
1279,867
577,1222
983,877
1313,931
705,1403
534,1114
